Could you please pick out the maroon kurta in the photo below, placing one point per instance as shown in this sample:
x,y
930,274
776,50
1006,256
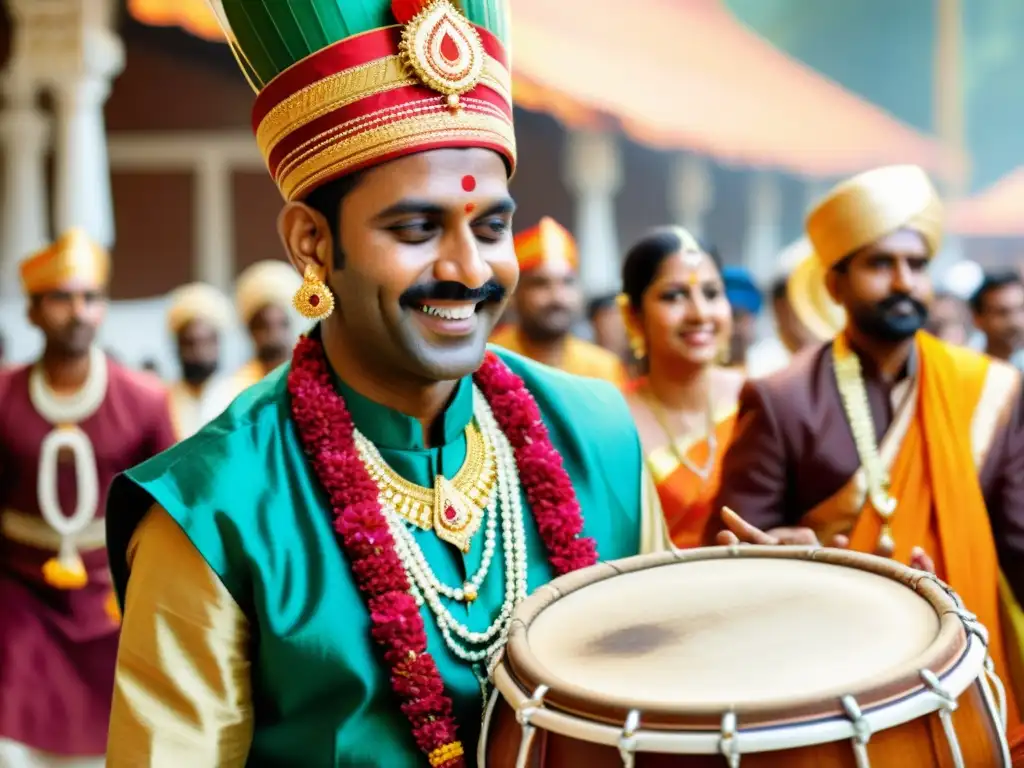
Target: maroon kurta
x,y
793,448
58,647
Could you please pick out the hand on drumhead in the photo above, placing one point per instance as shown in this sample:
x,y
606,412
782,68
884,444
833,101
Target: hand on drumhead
x,y
739,531
919,559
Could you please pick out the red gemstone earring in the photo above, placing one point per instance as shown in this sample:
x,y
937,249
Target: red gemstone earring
x,y
314,299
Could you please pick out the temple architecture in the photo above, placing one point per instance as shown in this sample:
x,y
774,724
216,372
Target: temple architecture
x,y
128,117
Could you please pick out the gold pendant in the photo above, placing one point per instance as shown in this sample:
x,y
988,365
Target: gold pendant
x,y
455,517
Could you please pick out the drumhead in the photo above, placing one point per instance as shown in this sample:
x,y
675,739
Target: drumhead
x,y
705,631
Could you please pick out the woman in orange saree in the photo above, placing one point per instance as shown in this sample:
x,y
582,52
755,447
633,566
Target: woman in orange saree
x,y
679,319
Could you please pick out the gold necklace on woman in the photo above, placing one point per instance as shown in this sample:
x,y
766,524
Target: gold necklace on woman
x,y
850,381
703,471
452,508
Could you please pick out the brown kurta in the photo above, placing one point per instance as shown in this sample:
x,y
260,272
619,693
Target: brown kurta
x,y
792,449
58,647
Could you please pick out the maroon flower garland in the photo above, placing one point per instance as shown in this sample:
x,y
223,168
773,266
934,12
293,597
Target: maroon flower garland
x,y
326,430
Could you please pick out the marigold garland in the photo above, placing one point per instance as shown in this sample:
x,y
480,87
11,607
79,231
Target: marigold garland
x,y
326,430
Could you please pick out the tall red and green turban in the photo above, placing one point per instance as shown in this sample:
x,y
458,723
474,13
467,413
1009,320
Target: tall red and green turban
x,y
348,84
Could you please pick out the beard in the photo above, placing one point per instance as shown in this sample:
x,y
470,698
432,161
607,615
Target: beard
x,y
197,372
886,321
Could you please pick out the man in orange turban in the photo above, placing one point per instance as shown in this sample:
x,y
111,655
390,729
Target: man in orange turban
x,y
887,439
68,423
547,302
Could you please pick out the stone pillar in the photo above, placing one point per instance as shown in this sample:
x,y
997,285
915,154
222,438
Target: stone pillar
x,y
214,254
691,192
82,195
593,173
764,226
24,225
72,48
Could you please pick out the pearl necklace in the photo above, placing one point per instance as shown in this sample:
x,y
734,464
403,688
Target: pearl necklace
x,y
66,412
74,408
427,588
850,381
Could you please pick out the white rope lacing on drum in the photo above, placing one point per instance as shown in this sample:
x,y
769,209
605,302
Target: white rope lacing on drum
x,y
996,711
997,684
627,741
484,741
948,706
524,713
729,745
861,731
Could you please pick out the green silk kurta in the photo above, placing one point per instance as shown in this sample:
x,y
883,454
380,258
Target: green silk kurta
x,y
246,497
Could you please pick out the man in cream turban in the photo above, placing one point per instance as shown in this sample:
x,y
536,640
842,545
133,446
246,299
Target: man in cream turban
x,y
888,440
263,297
69,422
198,316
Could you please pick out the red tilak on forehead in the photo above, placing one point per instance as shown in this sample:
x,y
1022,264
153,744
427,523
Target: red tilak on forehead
x,y
470,207
468,183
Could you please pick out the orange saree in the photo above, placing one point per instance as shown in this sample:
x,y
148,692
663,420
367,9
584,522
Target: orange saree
x,y
940,503
686,498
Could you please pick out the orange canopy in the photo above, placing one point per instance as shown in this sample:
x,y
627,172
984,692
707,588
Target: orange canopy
x,y
996,212
675,74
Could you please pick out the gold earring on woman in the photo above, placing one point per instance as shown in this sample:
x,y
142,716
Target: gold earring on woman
x,y
633,334
314,299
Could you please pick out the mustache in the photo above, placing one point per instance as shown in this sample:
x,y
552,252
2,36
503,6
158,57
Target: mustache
x,y
891,302
447,290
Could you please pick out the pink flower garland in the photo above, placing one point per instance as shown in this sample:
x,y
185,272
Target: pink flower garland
x,y
326,430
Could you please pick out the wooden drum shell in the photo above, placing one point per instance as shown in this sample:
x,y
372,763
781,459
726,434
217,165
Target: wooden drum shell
x,y
956,655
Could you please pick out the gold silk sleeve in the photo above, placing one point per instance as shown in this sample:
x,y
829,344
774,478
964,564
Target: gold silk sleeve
x,y
653,531
182,693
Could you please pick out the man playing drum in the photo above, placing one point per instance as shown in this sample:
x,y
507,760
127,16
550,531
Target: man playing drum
x,y
944,487
319,576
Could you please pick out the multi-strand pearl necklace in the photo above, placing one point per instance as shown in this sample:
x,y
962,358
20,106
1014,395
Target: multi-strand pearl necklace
x,y
428,589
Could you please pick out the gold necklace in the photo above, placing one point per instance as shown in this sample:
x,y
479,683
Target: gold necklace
x,y
452,507
703,472
850,380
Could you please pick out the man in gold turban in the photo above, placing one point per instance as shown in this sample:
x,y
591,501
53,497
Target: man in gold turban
x,y
263,298
197,319
547,302
69,422
887,439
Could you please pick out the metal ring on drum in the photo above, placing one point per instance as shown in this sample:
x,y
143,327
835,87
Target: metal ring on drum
x,y
524,713
861,731
592,685
627,741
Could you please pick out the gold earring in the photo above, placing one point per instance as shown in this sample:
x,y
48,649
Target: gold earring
x,y
314,299
636,343
636,339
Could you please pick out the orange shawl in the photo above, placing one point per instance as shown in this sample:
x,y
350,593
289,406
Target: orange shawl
x,y
579,357
940,501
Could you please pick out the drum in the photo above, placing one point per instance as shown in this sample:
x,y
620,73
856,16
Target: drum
x,y
773,656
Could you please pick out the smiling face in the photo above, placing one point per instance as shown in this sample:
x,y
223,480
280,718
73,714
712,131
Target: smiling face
x,y
425,261
685,314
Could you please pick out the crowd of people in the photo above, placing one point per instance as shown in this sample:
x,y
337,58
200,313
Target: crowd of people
x,y
297,563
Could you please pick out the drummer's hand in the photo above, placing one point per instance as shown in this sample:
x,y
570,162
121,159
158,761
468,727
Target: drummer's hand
x,y
739,531
919,559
